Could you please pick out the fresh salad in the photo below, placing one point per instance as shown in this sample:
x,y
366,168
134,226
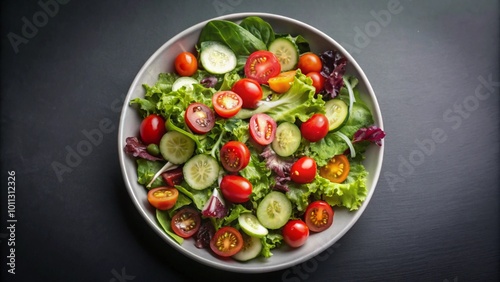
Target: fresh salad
x,y
252,141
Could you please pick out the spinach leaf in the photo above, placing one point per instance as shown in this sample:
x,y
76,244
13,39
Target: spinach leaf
x,y
240,40
299,40
260,28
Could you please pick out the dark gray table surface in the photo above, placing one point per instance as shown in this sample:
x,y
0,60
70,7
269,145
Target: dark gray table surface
x,y
67,65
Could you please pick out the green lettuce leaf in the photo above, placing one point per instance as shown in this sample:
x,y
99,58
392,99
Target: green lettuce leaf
x,y
257,173
146,170
164,220
350,194
269,242
300,101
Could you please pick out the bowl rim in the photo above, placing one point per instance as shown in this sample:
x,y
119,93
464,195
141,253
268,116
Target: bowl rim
x,y
220,264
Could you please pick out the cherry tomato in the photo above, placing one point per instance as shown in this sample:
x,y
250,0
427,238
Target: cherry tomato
x,y
173,177
235,188
318,80
186,64
282,82
303,170
336,170
163,198
186,222
199,118
295,233
262,65
227,103
309,62
234,156
250,92
315,128
318,216
262,129
226,242
152,129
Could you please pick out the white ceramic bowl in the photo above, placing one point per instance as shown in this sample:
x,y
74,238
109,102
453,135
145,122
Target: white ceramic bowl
x,y
162,61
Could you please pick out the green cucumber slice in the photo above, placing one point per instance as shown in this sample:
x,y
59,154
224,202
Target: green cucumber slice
x,y
251,225
274,210
252,246
286,51
287,139
216,57
176,147
184,81
337,113
201,171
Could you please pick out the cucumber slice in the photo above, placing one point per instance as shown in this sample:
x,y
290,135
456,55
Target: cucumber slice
x,y
287,139
201,171
286,51
184,81
176,147
337,113
216,57
251,225
252,246
274,210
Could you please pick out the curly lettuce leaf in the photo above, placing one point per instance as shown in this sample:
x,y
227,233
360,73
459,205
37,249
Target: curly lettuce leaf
x,y
300,101
257,173
269,242
349,194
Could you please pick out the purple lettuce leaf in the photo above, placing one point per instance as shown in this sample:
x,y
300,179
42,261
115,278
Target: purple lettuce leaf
x,y
215,206
204,235
371,134
280,166
333,70
137,149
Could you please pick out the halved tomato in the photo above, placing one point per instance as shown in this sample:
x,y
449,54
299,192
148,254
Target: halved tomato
x,y
226,103
226,242
282,82
199,118
186,222
261,66
262,129
234,156
336,170
163,198
318,216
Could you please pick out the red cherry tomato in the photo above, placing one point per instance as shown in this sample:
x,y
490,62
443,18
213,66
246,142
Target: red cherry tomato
x,y
303,170
226,242
250,92
309,62
318,80
186,222
163,198
262,129
186,64
318,216
152,129
262,65
235,188
234,156
199,118
295,233
315,128
227,103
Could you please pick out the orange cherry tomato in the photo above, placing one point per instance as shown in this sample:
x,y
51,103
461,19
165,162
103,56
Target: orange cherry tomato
x,y
309,62
163,198
336,170
186,64
282,82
